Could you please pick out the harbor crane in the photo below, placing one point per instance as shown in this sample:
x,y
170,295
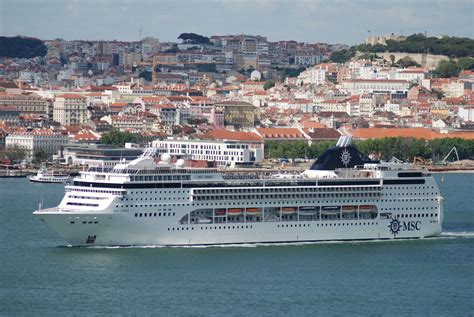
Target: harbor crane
x,y
443,162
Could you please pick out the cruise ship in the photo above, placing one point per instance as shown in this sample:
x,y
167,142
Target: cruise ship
x,y
343,196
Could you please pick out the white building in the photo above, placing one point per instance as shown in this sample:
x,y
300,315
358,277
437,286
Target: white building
x,y
224,152
376,86
466,113
411,74
36,140
70,109
308,59
313,75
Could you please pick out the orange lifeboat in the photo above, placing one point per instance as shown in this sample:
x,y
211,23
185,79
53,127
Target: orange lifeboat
x,y
349,208
366,208
234,211
252,211
220,212
288,210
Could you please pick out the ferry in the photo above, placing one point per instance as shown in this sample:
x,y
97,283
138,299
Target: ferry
x,y
45,176
343,196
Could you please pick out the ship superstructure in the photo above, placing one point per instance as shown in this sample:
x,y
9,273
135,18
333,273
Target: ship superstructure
x,y
343,196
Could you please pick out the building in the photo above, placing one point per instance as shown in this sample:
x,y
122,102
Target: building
x,y
239,114
9,114
313,75
70,109
376,86
98,155
31,105
36,140
226,148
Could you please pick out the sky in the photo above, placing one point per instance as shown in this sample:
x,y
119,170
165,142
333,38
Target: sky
x,y
311,21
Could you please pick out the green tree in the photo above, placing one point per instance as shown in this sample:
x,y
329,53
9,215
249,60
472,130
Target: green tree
x,y
13,153
466,63
40,156
407,62
392,59
22,47
118,138
447,69
147,75
343,56
193,38
269,84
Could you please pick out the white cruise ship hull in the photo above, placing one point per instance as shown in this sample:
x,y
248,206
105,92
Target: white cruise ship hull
x,y
116,229
140,203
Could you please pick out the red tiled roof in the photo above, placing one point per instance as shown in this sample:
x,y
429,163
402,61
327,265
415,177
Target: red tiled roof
x,y
280,133
71,96
419,133
231,135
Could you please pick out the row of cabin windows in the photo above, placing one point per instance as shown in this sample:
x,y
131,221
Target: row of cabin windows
x,y
212,228
87,197
329,224
82,204
287,196
409,208
286,189
409,194
85,222
150,178
157,192
155,214
405,200
417,215
156,198
113,192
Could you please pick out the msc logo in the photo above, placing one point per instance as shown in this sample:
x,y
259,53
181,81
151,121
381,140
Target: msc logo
x,y
396,226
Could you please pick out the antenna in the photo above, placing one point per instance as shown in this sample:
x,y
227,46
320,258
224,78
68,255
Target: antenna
x,y
140,33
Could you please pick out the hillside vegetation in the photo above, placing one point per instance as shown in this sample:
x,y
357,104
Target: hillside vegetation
x,y
22,47
450,46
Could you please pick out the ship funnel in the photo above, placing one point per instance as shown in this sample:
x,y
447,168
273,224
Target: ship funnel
x,y
347,141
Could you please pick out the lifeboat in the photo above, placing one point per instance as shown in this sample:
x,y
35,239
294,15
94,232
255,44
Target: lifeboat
x,y
366,208
220,212
309,210
288,210
330,210
234,211
253,211
349,208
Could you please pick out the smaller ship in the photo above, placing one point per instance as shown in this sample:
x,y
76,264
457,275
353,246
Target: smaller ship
x,y
45,176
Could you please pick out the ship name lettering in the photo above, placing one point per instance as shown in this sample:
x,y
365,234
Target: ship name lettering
x,y
411,225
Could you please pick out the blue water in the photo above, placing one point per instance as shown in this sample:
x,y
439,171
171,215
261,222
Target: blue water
x,y
40,275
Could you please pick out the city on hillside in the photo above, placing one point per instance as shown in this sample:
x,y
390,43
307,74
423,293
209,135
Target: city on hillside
x,y
234,100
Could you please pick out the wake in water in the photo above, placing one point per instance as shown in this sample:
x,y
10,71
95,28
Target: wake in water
x,y
443,235
459,234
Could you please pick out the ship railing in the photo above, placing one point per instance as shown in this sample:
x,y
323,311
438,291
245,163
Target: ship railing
x,y
52,209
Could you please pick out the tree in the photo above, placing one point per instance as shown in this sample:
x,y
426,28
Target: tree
x,y
269,84
343,56
40,156
407,62
14,153
193,38
118,138
392,59
447,69
466,63
22,47
147,75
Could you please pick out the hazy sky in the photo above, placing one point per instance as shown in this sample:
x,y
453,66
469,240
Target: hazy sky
x,y
332,21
